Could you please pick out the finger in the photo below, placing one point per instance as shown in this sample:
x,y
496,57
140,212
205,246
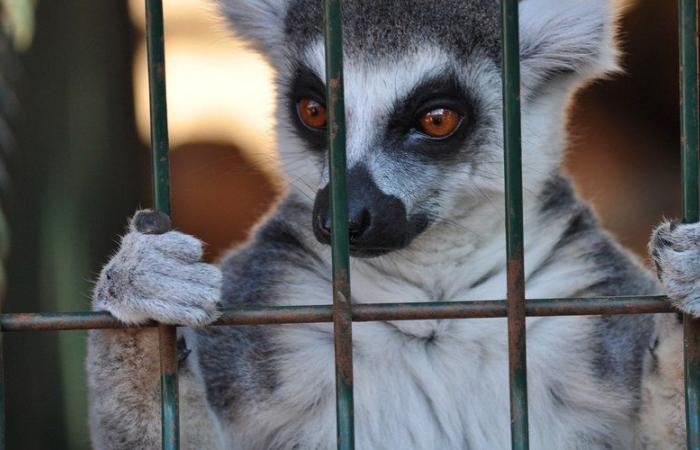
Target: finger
x,y
173,289
199,273
171,246
178,314
681,266
178,245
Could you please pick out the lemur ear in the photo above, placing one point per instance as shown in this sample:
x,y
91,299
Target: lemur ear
x,y
259,22
565,37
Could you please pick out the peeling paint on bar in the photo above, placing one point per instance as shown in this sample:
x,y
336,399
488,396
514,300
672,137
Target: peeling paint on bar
x,y
155,34
517,360
342,312
22,322
688,43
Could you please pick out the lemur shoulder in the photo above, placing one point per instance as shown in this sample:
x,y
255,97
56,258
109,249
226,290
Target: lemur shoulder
x,y
426,192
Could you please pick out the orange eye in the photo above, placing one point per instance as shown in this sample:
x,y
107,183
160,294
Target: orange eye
x,y
440,122
312,113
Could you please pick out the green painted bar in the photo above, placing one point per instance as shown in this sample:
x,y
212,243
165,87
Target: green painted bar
x,y
2,395
517,367
687,27
161,193
4,251
342,310
18,322
159,110
170,407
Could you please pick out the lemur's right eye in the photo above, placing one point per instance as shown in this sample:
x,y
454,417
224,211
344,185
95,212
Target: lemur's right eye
x,y
440,122
311,113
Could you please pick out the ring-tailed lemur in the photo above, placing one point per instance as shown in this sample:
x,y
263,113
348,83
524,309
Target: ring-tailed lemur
x,y
424,146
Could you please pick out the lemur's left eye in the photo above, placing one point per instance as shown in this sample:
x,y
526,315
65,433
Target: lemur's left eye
x,y
311,113
439,122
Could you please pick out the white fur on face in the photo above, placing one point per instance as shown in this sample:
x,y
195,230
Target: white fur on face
x,y
373,89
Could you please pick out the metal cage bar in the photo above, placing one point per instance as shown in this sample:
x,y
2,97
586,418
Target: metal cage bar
x,y
4,248
267,315
167,334
517,361
688,43
342,310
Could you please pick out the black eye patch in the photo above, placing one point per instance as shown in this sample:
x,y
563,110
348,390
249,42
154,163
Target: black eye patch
x,y
443,91
305,84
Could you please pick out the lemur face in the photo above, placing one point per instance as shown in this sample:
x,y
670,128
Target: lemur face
x,y
419,130
423,102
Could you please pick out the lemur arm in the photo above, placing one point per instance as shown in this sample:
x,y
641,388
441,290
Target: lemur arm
x,y
152,277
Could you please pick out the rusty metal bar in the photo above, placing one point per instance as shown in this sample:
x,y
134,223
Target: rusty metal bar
x,y
517,359
688,46
20,322
4,250
2,395
155,34
342,309
170,405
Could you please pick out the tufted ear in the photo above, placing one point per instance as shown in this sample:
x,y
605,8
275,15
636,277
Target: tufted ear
x,y
565,37
259,22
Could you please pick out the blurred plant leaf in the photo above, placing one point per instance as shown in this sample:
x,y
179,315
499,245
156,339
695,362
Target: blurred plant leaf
x,y
16,31
18,22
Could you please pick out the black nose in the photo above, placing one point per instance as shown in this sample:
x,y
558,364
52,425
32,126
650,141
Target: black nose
x,y
358,224
377,222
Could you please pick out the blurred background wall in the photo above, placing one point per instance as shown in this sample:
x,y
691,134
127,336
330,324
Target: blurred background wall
x,y
81,167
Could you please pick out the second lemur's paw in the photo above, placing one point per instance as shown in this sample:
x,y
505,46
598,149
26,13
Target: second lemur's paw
x,y
159,277
675,251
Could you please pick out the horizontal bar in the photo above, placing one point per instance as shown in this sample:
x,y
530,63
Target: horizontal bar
x,y
361,313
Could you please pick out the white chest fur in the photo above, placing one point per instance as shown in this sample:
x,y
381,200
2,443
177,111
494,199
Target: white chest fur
x,y
441,384
449,391
438,385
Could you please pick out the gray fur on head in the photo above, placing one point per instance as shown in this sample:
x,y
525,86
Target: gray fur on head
x,y
557,36
258,22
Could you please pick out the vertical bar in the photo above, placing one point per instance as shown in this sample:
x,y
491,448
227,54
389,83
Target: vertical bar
x,y
161,194
170,408
688,41
159,113
4,250
514,225
342,314
2,394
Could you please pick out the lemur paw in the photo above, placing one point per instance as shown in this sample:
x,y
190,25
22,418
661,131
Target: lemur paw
x,y
158,275
675,250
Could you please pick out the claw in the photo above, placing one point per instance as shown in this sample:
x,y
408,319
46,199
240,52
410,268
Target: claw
x,y
151,222
182,351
